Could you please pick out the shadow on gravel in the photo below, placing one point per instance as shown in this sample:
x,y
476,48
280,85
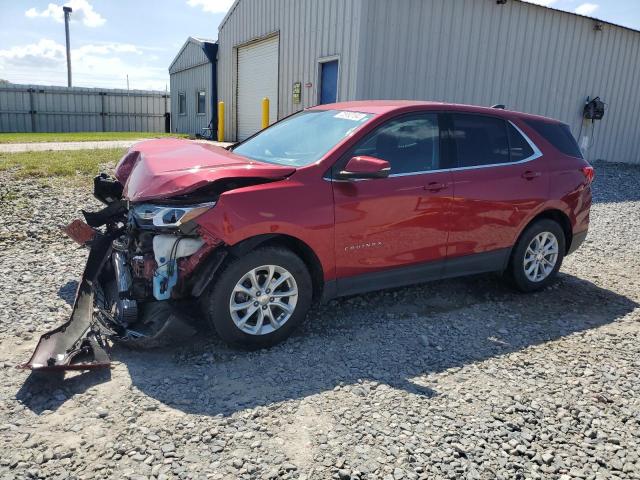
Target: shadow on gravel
x,y
67,292
48,391
388,337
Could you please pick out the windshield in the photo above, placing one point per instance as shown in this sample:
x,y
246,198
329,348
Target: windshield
x,y
302,138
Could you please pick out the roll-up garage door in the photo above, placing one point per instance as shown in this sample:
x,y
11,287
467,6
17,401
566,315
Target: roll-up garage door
x,y
257,78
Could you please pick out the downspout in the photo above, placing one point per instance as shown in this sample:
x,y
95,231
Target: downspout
x,y
211,51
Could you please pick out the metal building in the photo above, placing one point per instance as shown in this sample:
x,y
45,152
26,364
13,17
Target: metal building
x,y
193,87
531,58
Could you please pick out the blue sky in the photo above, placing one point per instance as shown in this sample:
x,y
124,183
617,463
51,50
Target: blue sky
x,y
113,38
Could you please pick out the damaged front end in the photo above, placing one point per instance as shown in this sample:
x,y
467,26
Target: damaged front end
x,y
149,258
144,260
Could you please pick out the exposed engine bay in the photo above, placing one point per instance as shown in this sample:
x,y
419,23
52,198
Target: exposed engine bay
x,y
142,260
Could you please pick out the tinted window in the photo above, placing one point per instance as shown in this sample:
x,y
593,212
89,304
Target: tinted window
x,y
302,138
202,99
519,148
410,144
559,135
480,140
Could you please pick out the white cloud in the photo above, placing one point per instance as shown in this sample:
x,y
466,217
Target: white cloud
x,y
544,3
211,6
587,9
82,9
93,65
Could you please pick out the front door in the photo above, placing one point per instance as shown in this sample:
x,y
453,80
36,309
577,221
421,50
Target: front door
x,y
401,220
329,82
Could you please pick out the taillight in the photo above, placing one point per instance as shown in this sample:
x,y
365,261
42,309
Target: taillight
x,y
589,173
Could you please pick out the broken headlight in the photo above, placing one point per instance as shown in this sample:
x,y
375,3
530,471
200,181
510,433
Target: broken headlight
x,y
167,216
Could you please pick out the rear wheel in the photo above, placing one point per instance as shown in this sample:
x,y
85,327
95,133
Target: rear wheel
x,y
259,299
537,256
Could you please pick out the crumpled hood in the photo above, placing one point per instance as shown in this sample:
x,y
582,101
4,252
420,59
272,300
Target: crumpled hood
x,y
157,169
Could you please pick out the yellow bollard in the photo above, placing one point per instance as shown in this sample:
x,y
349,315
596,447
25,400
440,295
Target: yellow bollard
x,y
265,112
221,121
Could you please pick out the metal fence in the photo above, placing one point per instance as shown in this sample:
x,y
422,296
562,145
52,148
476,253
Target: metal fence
x,y
37,108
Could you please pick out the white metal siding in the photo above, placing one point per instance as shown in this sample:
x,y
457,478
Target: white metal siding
x,y
308,30
257,79
530,58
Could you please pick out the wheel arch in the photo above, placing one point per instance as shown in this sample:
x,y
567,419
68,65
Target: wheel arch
x,y
297,246
557,216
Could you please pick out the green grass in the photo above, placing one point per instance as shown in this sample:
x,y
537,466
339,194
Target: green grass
x,y
63,163
80,136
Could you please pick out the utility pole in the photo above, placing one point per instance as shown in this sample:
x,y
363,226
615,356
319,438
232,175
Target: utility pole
x,y
67,11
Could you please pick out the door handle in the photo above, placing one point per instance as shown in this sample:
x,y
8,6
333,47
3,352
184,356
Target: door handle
x,y
530,175
435,186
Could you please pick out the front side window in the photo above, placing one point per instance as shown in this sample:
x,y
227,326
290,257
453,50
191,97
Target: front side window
x,y
303,138
201,102
411,144
480,140
182,104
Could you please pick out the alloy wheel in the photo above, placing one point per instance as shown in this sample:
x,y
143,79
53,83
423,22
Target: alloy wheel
x,y
263,300
541,256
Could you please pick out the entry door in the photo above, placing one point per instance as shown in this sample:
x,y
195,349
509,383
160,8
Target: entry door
x,y
398,221
499,182
329,82
257,79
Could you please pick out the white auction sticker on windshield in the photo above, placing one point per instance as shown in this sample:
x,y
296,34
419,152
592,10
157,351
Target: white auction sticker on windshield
x,y
354,116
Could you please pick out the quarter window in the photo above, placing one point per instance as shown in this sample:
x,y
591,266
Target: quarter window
x,y
410,144
201,103
519,148
182,104
480,140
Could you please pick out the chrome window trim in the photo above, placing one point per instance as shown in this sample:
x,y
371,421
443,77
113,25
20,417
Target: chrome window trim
x,y
537,153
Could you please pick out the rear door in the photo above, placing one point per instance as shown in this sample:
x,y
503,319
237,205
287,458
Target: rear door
x,y
499,180
401,220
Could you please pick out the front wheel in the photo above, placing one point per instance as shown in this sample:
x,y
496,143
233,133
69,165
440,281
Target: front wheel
x,y
537,256
259,299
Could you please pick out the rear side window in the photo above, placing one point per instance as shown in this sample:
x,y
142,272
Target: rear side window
x,y
519,148
557,134
480,140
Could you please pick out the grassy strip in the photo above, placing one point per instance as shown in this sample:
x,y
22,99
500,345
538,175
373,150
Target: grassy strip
x,y
80,136
63,163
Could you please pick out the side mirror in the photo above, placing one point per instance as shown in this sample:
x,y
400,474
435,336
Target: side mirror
x,y
365,167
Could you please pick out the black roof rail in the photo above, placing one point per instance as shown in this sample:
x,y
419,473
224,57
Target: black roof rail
x,y
500,106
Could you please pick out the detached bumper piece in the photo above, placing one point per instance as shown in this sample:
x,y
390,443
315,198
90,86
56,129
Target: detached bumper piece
x,y
78,344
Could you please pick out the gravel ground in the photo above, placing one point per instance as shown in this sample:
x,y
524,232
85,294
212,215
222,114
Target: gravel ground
x,y
455,379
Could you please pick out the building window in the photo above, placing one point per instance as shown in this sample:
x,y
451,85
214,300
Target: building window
x,y
182,104
201,102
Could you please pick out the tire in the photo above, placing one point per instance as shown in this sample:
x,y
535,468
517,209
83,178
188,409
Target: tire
x,y
523,274
277,324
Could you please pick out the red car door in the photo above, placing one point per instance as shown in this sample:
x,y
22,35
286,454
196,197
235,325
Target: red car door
x,y
400,220
499,180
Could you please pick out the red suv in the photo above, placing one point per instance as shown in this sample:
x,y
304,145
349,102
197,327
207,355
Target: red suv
x,y
334,200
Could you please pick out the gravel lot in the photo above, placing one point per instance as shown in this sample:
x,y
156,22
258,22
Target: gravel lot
x,y
454,379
